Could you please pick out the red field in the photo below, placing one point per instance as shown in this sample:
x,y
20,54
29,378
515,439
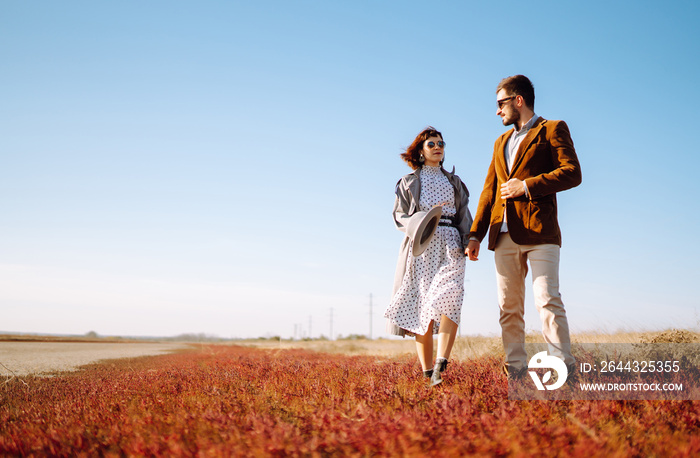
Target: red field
x,y
225,401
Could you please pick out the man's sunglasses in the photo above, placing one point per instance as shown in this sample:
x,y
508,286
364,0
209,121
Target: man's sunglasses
x,y
503,101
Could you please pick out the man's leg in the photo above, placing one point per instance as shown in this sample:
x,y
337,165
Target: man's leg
x,y
511,269
544,261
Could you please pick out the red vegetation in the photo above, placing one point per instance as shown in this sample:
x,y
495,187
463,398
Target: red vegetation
x,y
234,401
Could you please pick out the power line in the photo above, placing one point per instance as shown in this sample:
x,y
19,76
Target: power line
x,y
331,336
370,316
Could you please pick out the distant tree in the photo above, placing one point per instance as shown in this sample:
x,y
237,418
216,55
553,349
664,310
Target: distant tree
x,y
352,337
200,337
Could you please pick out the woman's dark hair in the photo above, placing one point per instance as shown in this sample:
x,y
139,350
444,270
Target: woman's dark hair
x,y
519,85
412,154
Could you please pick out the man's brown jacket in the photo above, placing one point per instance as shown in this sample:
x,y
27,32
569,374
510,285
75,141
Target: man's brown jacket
x,y
547,162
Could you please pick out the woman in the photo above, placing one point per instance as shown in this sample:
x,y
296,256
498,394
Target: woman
x,y
429,288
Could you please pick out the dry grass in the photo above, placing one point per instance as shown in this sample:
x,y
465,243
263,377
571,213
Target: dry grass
x,y
376,347
466,347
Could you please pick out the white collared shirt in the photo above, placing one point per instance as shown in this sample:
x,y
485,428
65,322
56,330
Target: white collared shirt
x,y
514,142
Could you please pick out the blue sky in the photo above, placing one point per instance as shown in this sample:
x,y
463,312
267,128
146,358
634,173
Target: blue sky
x,y
228,168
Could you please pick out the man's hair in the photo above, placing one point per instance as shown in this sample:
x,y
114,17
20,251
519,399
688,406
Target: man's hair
x,y
519,85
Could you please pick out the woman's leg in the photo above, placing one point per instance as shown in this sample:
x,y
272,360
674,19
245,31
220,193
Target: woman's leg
x,y
424,347
446,337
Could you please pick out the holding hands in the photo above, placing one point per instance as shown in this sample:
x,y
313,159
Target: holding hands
x,y
472,250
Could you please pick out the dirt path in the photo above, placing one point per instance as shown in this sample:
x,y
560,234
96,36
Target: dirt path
x,y
36,358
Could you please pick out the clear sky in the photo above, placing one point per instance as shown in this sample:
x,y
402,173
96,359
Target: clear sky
x,y
228,168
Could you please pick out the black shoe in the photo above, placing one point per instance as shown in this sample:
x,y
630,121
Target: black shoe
x,y
436,379
428,374
571,374
513,374
440,366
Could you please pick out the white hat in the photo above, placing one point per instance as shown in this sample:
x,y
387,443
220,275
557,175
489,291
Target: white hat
x,y
421,228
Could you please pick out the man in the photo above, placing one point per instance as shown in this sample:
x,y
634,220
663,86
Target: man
x,y
518,207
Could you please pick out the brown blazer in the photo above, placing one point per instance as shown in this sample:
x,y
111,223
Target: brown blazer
x,y
547,162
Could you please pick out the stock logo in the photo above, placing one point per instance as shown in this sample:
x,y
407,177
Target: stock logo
x,y
544,361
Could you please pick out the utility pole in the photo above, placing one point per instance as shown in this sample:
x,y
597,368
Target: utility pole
x,y
370,316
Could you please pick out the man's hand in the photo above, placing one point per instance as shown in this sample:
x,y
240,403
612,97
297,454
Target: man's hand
x,y
512,188
473,250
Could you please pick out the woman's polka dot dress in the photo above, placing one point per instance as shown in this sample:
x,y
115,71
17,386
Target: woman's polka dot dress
x,y
434,281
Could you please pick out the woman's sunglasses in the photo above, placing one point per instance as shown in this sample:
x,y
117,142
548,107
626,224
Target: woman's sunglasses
x,y
440,144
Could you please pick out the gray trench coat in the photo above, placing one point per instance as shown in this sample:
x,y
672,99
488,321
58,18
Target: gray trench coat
x,y
406,205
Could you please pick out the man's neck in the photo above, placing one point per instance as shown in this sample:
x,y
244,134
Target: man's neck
x,y
525,115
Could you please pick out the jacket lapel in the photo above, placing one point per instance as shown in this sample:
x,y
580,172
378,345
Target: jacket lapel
x,y
501,156
451,178
414,190
525,144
